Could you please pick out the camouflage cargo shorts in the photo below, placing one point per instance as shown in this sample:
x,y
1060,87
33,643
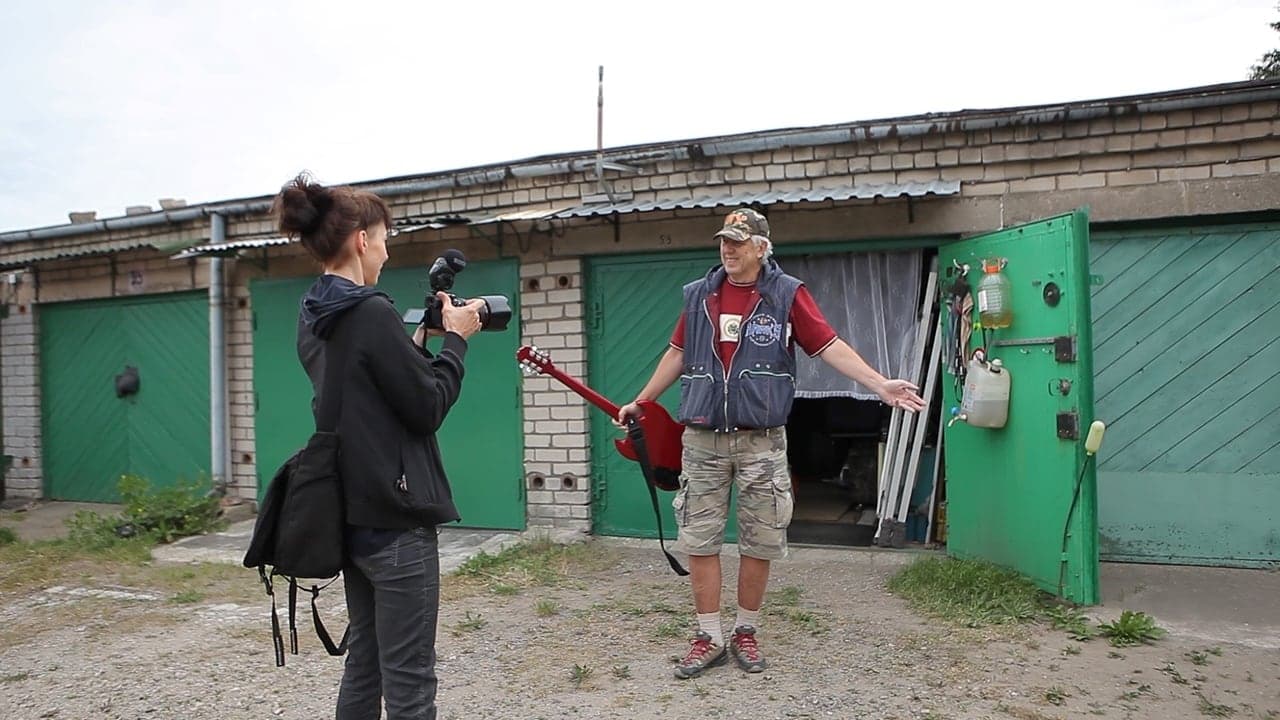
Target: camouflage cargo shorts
x,y
755,463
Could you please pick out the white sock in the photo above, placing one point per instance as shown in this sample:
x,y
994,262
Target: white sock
x,y
747,617
709,623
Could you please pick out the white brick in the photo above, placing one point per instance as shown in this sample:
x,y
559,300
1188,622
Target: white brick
x,y
561,267
571,295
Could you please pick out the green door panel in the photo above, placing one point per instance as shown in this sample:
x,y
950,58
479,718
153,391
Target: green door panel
x,y
481,439
1009,490
91,437
633,303
1187,351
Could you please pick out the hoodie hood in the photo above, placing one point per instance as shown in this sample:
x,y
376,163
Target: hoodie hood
x,y
328,298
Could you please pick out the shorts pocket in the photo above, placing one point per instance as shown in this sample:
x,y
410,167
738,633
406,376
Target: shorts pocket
x,y
680,503
784,503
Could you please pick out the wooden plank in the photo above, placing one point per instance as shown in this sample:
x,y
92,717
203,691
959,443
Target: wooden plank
x,y
1153,288
1206,323
933,492
917,354
1253,407
1254,441
920,420
1193,301
1167,416
1161,268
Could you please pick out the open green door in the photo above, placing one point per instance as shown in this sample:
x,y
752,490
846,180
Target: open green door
x,y
1010,490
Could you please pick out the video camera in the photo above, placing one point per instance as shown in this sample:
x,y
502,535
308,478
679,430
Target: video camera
x,y
494,314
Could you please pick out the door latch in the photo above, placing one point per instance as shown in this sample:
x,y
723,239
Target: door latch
x,y
1069,425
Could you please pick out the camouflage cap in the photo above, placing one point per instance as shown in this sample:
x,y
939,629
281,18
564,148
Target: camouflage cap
x,y
741,224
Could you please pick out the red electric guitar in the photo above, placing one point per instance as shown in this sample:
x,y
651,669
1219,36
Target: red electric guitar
x,y
662,435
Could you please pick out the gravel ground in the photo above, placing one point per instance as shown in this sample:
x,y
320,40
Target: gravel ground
x,y
839,645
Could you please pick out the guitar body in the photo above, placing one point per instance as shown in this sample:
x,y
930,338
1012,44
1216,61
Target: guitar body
x,y
664,440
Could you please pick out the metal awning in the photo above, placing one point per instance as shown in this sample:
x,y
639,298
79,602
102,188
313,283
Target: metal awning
x,y
230,247
66,249
438,222
769,197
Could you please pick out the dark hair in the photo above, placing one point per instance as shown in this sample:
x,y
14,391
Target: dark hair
x,y
323,217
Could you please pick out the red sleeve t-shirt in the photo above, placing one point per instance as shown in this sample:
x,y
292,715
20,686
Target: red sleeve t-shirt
x,y
807,326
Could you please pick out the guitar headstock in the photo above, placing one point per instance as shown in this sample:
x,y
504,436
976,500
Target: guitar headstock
x,y
532,360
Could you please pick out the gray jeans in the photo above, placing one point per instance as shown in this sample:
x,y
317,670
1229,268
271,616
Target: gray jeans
x,y
393,598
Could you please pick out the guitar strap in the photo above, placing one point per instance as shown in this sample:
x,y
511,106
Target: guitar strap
x,y
636,433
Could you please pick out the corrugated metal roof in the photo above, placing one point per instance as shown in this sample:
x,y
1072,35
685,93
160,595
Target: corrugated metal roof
x,y
230,247
845,192
437,222
48,252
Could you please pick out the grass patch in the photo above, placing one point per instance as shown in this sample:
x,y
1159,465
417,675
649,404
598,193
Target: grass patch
x,y
579,674
1056,696
1070,620
7,536
622,672
535,563
546,608
968,592
186,597
787,596
1132,628
15,677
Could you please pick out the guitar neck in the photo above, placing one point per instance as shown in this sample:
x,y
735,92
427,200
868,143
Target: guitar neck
x,y
590,395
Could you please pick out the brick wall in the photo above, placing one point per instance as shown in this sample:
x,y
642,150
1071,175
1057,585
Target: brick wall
x,y
557,445
20,383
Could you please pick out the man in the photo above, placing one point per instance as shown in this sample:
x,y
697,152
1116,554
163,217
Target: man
x,y
733,351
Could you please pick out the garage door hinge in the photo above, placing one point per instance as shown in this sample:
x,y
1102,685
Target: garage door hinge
x,y
1069,425
599,491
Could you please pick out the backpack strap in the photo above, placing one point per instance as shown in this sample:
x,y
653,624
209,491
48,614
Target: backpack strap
x,y
322,632
293,615
277,640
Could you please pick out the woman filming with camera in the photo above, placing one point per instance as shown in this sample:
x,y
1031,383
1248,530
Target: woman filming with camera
x,y
392,399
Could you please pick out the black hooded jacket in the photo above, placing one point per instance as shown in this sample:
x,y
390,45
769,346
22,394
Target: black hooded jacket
x,y
395,396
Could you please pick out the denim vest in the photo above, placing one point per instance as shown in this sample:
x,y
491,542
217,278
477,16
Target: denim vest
x,y
757,389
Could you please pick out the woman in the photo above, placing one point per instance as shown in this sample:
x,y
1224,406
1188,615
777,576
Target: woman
x,y
394,397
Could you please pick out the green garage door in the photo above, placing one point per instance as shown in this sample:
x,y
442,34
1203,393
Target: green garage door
x,y
633,304
1186,328
91,436
483,455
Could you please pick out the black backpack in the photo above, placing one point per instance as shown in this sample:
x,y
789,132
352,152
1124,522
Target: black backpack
x,y
299,530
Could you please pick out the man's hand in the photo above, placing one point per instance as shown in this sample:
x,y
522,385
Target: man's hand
x,y
631,409
900,393
463,320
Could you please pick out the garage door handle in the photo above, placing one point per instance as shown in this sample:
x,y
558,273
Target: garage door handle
x,y
127,382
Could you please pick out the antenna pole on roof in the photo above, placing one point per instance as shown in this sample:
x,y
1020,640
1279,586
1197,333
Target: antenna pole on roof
x,y
600,133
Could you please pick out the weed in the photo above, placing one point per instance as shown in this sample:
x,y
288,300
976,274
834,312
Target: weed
x,y
1132,628
1056,696
788,596
1198,658
579,674
700,691
15,677
546,608
1212,709
504,589
471,623
1114,655
1071,650
1215,651
671,629
969,592
1173,674
187,597
1071,620
622,672
8,536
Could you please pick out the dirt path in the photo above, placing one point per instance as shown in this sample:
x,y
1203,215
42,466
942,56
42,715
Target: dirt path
x,y
598,642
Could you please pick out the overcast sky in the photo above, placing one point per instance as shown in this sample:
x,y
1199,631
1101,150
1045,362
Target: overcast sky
x,y
107,104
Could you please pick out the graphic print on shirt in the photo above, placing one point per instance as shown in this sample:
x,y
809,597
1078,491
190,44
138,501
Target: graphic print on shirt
x,y
763,330
730,326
